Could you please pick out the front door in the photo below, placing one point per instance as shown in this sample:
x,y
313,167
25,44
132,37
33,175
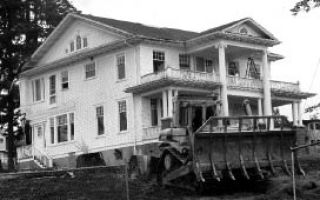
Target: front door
x,y
39,136
196,118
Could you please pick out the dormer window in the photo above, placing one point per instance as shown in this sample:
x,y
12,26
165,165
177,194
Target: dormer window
x,y
85,42
78,42
243,30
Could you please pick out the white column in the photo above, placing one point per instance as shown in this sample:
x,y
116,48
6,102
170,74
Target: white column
x,y
294,113
266,85
223,80
170,103
300,114
164,103
259,106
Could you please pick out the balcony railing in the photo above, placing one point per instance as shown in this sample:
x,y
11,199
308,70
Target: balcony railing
x,y
285,86
177,74
151,133
244,83
232,81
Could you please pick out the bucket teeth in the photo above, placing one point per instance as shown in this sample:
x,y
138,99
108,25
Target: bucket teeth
x,y
285,167
243,168
256,162
215,174
273,171
230,174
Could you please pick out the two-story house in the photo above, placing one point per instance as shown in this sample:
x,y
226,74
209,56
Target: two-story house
x,y
97,84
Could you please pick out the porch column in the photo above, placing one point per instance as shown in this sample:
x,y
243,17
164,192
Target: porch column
x,y
266,85
223,80
294,113
259,102
204,109
176,109
164,104
300,114
170,103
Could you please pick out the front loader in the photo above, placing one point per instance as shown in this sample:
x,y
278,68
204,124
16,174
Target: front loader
x,y
226,149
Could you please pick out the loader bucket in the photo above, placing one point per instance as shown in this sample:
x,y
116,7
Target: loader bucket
x,y
246,147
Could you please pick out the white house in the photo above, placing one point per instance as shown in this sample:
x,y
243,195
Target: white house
x,y
100,84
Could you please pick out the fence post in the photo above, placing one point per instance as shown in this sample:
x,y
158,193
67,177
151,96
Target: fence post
x,y
127,179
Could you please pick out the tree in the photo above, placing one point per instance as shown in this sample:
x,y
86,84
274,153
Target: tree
x,y
305,5
24,25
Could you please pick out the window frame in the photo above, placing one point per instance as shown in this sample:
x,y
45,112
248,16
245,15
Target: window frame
x,y
154,112
124,66
181,58
85,70
78,42
119,115
100,119
63,81
56,132
85,42
52,90
158,60
66,125
41,88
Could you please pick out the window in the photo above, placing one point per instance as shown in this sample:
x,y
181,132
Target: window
x,y
123,115
38,89
121,66
72,46
90,70
200,67
71,123
158,61
243,31
154,112
184,61
52,89
64,80
209,66
52,130
62,128
233,69
85,42
100,120
78,42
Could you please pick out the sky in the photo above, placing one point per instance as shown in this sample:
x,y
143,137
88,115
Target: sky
x,y
300,35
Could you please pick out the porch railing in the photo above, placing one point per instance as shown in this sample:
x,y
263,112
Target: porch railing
x,y
150,133
178,74
285,86
244,82
24,152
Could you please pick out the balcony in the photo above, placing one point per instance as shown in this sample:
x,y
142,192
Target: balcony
x,y
151,133
257,84
186,78
177,74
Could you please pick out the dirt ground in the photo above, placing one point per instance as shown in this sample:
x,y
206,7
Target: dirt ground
x,y
99,184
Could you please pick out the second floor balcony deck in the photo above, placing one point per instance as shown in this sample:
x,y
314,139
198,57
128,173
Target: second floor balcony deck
x,y
178,77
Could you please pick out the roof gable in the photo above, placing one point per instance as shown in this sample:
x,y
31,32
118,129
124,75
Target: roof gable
x,y
253,29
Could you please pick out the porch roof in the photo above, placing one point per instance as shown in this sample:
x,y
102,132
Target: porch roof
x,y
167,81
291,94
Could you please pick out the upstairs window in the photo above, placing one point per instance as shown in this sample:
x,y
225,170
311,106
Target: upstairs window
x,y
52,130
121,66
123,115
52,89
64,80
100,119
158,61
90,70
233,69
85,42
72,46
78,42
200,67
38,89
209,66
184,61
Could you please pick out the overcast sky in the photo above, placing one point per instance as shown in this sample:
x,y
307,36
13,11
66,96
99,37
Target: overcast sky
x,y
300,35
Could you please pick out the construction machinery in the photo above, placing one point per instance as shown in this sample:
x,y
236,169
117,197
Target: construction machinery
x,y
225,148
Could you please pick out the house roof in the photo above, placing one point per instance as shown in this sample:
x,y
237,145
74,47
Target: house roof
x,y
222,27
144,30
